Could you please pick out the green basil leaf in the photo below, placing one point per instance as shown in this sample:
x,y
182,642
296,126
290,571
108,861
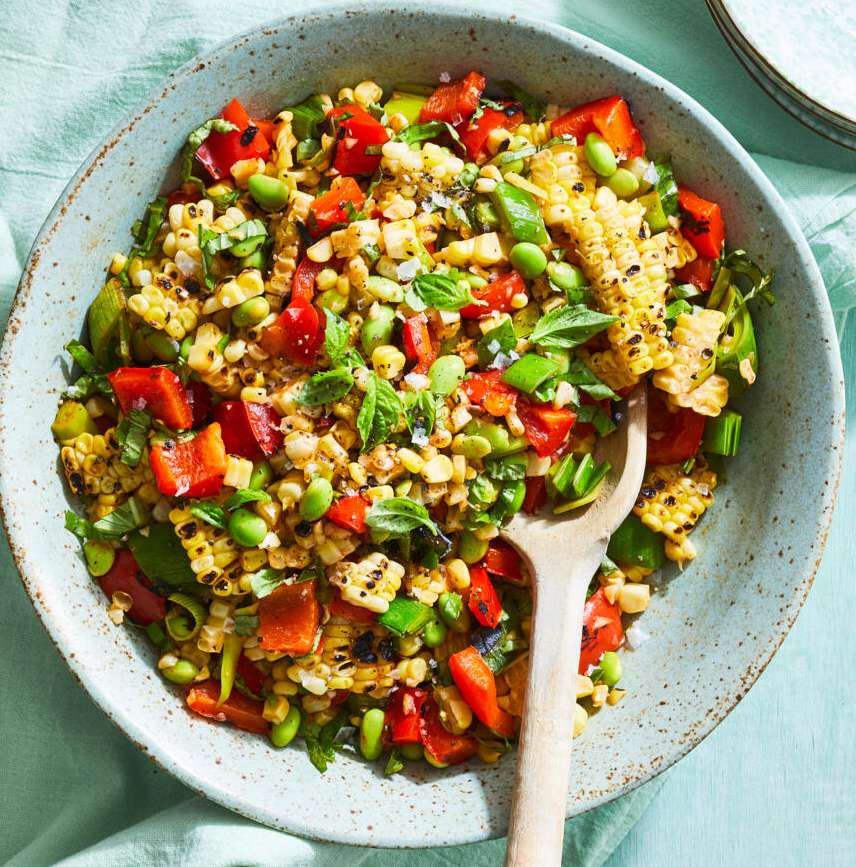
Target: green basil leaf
x,y
326,387
206,237
567,327
379,413
310,573
739,262
244,496
579,375
393,764
79,526
675,308
246,624
593,414
336,337
161,557
82,356
211,513
307,148
126,518
532,106
146,230
399,516
265,581
244,233
194,140
420,416
307,118
498,341
666,186
132,433
442,290
417,132
225,200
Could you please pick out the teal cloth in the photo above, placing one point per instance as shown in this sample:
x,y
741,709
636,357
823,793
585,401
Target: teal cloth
x,y
74,791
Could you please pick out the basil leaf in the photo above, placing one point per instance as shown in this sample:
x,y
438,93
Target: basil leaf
x,y
193,143
127,517
211,513
399,516
206,237
505,469
498,341
82,356
132,434
85,386
307,118
265,581
417,132
161,557
739,262
379,413
420,416
224,200
442,290
243,234
244,496
593,414
79,526
677,307
326,387
532,106
393,764
579,375
336,336
567,327
310,573
666,186
246,624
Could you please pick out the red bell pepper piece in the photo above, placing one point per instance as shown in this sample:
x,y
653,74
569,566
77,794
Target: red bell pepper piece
x,y
536,494
331,208
268,129
297,333
352,613
474,135
495,297
253,679
289,619
194,468
244,713
546,428
504,561
221,150
303,284
154,389
699,272
418,345
602,630
673,437
488,391
442,745
353,135
477,686
483,599
250,430
454,102
703,224
404,715
349,513
182,196
611,118
199,398
125,576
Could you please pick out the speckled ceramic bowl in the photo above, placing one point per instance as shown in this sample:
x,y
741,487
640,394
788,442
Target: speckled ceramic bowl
x,y
714,627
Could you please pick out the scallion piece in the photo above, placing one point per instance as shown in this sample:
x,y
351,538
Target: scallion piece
x,y
519,213
634,544
722,434
405,616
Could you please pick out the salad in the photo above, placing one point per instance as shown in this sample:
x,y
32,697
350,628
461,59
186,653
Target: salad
x,y
355,340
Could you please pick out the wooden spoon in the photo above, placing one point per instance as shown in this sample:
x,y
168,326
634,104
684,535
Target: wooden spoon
x,y
563,553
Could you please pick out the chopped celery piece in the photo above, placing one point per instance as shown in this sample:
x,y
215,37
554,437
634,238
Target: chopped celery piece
x,y
408,104
722,433
654,213
634,544
405,616
528,372
519,213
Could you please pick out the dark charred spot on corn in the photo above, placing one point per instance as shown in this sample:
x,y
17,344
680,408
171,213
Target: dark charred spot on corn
x,y
579,187
370,585
223,585
304,528
648,491
248,135
707,352
188,529
634,339
659,484
670,501
76,482
386,649
191,285
207,577
363,648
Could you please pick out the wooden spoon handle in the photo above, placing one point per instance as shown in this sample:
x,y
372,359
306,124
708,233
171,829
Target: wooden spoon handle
x,y
544,753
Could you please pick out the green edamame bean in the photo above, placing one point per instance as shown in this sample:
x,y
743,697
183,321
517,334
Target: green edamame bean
x,y
256,259
610,668
453,612
262,476
269,193
247,528
371,731
446,374
599,155
99,557
473,447
528,260
469,175
385,289
184,348
282,734
377,328
407,645
474,280
251,312
333,300
411,752
316,499
471,549
183,672
434,633
566,276
623,183
164,347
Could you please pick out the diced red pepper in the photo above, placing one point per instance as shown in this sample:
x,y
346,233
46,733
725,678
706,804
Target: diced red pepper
x,y
331,208
194,468
244,713
602,630
349,512
474,135
126,576
221,150
699,272
154,389
441,744
268,128
250,430
199,398
297,334
495,297
353,135
703,224
352,613
536,494
545,427
181,196
488,391
673,437
483,599
454,102
477,686
303,284
253,678
504,561
611,118
418,345
404,715
289,619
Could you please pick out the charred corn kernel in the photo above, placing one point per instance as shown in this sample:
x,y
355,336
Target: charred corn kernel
x,y
484,250
425,585
412,462
599,695
238,472
694,340
300,447
411,672
634,598
371,583
580,720
455,713
379,492
320,251
437,470
276,708
706,399
585,687
367,93
326,279
248,284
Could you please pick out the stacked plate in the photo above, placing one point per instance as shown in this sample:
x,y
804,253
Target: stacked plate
x,y
801,53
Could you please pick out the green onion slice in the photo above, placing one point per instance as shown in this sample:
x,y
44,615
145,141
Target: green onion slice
x,y
178,623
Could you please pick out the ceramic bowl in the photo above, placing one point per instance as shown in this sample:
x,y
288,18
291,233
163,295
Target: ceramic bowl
x,y
714,628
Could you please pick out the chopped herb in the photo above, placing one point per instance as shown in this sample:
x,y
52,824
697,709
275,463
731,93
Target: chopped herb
x,y
570,326
443,290
399,516
132,434
244,496
265,581
498,341
532,106
326,387
380,412
666,186
393,764
246,624
82,356
211,513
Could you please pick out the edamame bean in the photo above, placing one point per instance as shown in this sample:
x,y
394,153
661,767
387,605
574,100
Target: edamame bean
x,y
377,328
262,476
269,193
566,276
385,289
434,633
446,374
453,612
251,312
247,528
473,447
623,183
316,499
528,260
183,672
333,300
610,668
184,348
256,259
411,752
470,549
283,733
163,346
371,731
99,557
474,280
468,175
599,155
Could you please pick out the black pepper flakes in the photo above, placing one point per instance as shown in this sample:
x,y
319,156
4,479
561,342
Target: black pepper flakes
x,y
248,135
